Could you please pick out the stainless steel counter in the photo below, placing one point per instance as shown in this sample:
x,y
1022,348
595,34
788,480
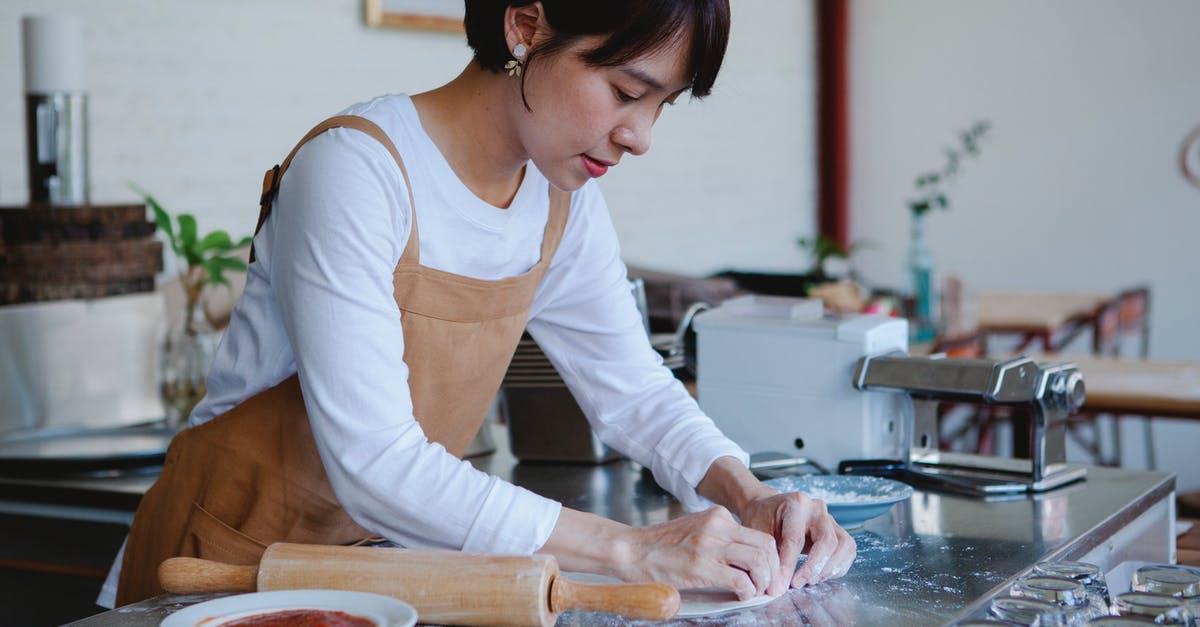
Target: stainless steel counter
x,y
931,560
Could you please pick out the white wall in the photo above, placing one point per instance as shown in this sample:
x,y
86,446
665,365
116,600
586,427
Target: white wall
x,y
1078,186
193,99
731,180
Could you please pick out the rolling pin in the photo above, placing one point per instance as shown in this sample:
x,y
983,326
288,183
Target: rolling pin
x,y
446,587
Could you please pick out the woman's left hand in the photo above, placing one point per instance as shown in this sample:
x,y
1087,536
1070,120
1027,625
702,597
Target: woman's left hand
x,y
801,524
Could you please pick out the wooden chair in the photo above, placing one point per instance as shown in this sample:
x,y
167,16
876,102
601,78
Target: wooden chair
x,y
1083,427
965,344
1134,317
1126,315
1114,322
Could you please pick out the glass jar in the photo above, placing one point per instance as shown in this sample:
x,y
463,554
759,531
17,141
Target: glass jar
x,y
1163,609
1192,606
1068,594
1084,572
1176,581
187,354
1026,611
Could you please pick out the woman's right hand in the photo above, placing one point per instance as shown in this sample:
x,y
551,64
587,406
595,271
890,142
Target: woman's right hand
x,y
709,549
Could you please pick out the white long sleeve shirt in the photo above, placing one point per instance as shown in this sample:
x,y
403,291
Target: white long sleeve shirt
x,y
319,302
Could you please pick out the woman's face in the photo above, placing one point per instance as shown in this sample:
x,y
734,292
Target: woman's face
x,y
585,119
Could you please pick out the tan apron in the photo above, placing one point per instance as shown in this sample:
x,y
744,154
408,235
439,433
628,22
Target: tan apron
x,y
252,476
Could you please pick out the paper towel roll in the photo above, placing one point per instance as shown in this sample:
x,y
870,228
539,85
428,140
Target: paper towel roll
x,y
54,58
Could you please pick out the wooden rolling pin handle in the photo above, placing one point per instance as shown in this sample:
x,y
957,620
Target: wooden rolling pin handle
x,y
189,575
646,601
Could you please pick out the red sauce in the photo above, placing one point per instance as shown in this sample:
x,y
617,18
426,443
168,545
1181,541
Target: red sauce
x,y
301,618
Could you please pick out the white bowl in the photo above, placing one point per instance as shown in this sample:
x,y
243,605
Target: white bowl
x,y
851,499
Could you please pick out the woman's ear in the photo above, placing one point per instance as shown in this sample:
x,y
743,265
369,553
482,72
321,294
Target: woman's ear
x,y
525,25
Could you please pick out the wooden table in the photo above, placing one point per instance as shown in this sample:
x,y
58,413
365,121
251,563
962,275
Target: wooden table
x,y
1038,315
1136,387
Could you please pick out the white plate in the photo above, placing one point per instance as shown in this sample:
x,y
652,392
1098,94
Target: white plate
x,y
385,611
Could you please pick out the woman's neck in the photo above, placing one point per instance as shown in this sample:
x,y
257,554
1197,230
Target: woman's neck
x,y
468,120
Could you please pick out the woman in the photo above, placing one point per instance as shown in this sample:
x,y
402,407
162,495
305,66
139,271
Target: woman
x,y
403,248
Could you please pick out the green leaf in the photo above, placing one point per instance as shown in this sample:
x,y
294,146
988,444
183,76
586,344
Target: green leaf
x,y
929,185
230,263
833,249
187,237
244,242
215,267
217,240
951,168
213,274
161,218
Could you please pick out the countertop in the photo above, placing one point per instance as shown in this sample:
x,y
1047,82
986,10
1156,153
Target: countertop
x,y
933,559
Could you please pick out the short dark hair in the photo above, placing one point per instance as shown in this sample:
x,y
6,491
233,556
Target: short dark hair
x,y
633,27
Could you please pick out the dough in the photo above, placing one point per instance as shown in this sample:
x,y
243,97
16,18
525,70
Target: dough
x,y
710,601
694,602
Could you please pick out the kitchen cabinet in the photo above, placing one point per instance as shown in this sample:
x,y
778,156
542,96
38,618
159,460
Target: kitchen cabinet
x,y
58,538
51,568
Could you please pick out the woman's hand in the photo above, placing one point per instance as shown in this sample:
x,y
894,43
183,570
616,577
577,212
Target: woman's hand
x,y
711,548
800,524
708,549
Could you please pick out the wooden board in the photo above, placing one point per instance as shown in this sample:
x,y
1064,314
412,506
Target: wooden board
x,y
17,292
91,223
56,253
72,254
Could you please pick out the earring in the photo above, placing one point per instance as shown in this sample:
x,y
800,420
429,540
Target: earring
x,y
514,65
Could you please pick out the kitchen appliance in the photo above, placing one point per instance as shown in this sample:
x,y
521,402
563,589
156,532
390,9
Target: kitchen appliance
x,y
55,110
446,587
545,423
777,376
1049,392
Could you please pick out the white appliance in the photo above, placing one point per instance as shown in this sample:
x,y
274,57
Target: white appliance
x,y
776,375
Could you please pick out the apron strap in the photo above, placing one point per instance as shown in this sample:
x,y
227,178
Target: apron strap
x,y
556,223
272,177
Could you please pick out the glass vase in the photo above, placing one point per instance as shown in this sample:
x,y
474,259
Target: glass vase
x,y
922,285
187,354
